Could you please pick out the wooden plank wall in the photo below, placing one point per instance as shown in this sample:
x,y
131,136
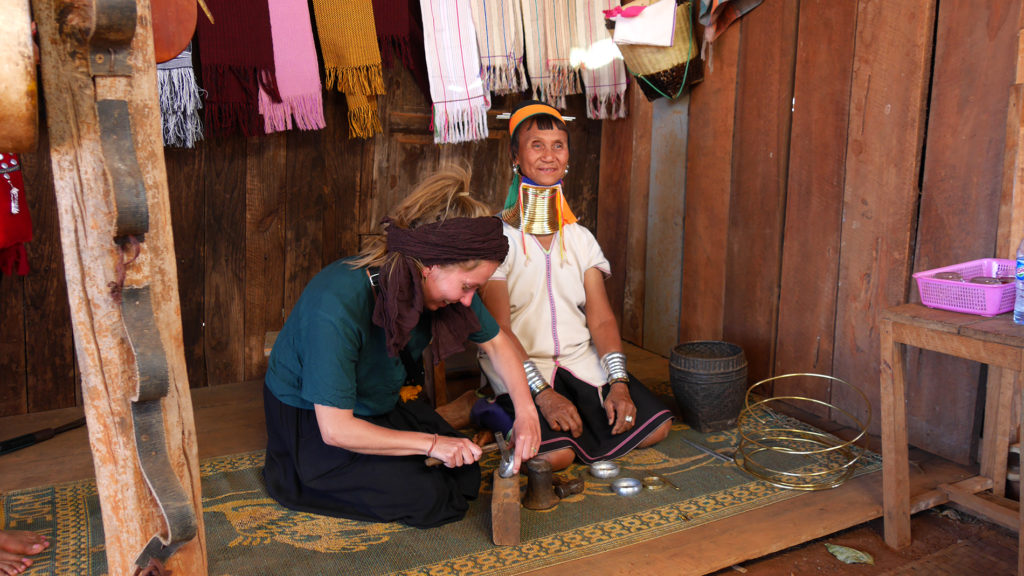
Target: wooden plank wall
x,y
253,221
834,149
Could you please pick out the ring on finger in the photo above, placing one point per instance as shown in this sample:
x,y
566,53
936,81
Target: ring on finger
x,y
629,418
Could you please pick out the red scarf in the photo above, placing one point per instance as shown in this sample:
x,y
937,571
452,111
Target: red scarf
x,y
400,36
15,223
237,57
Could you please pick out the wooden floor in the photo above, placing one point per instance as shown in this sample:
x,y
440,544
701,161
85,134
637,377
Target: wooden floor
x,y
229,419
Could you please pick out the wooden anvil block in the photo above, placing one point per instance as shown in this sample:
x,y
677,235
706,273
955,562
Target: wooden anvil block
x,y
505,510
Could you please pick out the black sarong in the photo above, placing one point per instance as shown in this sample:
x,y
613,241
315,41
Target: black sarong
x,y
597,441
303,473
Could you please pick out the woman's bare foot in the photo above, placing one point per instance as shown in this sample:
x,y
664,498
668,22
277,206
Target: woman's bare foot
x,y
457,411
11,564
15,545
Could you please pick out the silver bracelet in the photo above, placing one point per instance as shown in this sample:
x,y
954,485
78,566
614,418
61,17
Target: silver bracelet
x,y
534,379
614,363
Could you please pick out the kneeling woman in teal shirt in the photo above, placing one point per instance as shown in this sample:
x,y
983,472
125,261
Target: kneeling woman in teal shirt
x,y
340,441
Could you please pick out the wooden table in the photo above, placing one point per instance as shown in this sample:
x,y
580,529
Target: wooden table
x,y
997,342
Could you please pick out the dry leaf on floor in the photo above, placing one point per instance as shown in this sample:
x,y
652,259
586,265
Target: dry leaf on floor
x,y
849,555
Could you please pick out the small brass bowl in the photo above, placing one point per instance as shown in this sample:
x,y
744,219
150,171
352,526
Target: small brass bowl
x,y
604,469
627,486
653,482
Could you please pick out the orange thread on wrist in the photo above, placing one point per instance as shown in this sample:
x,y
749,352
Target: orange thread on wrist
x,y
432,444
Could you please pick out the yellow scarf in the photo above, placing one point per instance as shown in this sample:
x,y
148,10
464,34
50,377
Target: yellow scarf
x,y
348,41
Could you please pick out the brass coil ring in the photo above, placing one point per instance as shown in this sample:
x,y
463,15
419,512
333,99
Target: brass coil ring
x,y
832,461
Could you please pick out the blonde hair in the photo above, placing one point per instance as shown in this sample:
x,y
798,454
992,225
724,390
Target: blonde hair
x,y
442,195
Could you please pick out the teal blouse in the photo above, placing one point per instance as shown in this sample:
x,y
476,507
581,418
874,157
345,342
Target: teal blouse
x,y
330,352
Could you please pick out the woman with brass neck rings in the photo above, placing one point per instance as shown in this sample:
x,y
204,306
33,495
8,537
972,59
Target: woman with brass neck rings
x,y
550,294
340,440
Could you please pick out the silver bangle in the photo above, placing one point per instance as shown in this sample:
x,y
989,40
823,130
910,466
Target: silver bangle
x,y
614,363
534,379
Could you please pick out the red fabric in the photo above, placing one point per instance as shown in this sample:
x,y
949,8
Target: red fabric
x,y
15,225
400,36
237,59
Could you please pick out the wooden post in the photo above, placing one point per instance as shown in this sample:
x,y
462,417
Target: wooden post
x,y
87,224
1011,209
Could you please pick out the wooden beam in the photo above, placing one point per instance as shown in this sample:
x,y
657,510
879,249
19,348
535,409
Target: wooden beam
x,y
87,224
641,114
1011,209
709,182
665,215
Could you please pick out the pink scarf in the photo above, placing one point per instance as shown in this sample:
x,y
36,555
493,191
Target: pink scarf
x,y
298,75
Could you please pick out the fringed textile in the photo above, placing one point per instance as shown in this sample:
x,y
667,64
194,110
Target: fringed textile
x,y
237,56
393,23
453,66
400,36
180,101
547,28
15,222
603,72
348,42
563,77
298,75
499,33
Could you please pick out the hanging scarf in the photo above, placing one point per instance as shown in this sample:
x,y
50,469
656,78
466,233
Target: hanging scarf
x,y
603,73
547,29
399,302
400,34
15,223
237,61
453,66
348,41
180,101
499,33
298,76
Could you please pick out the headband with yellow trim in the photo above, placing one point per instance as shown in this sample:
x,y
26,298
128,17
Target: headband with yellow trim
x,y
531,110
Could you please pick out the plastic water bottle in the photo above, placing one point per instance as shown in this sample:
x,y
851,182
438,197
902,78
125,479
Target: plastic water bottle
x,y
1018,301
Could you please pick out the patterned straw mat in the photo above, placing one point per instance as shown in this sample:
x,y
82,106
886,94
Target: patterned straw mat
x,y
249,534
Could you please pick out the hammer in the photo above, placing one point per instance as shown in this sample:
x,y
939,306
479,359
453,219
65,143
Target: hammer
x,y
486,448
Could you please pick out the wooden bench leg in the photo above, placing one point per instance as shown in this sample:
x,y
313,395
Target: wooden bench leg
x,y
996,442
895,454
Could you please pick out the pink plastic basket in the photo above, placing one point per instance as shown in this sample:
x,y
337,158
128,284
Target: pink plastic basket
x,y
964,296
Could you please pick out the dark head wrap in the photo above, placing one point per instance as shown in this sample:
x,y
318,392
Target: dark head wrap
x,y
400,296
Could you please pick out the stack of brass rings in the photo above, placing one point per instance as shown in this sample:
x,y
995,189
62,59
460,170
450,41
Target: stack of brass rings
x,y
765,435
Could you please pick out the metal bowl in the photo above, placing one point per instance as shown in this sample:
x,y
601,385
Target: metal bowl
x,y
604,469
627,486
653,482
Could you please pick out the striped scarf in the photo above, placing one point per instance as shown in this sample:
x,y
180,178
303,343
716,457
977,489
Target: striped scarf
x,y
298,77
499,32
603,73
453,66
548,29
237,55
348,42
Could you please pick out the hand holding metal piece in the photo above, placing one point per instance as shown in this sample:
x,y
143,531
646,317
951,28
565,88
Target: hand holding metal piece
x,y
431,461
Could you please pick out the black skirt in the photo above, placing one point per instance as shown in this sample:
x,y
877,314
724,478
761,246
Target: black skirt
x,y
303,473
597,441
